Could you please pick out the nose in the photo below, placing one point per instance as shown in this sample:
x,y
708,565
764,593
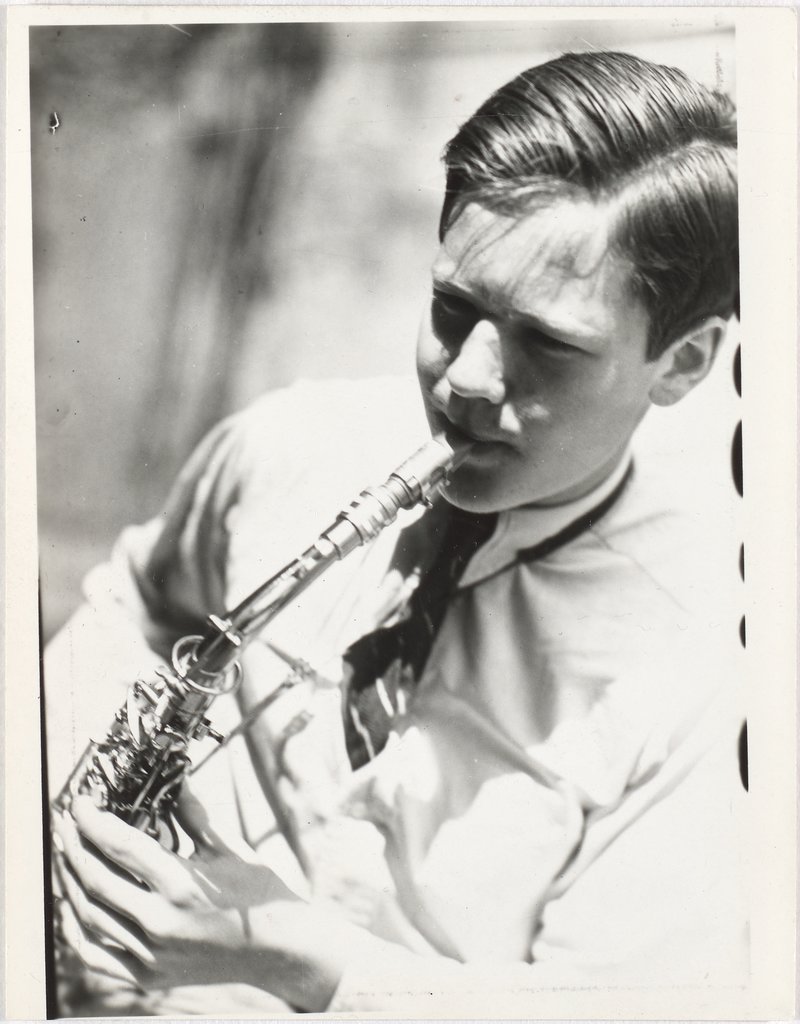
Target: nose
x,y
477,370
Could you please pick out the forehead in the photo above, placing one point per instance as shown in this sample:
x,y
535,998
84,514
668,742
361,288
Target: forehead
x,y
552,260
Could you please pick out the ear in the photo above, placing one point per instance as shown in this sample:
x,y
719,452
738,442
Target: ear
x,y
684,363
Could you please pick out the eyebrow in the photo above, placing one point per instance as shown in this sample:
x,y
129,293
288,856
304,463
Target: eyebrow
x,y
565,332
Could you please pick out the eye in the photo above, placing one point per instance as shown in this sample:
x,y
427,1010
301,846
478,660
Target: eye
x,y
535,340
453,305
452,316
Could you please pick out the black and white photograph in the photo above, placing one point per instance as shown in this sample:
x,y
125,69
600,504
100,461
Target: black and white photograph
x,y
393,546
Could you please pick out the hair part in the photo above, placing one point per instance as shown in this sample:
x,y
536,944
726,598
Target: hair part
x,y
659,148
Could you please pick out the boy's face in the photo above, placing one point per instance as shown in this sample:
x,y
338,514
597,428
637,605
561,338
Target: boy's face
x,y
533,347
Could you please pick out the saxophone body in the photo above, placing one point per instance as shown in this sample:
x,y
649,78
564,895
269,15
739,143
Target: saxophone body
x,y
137,769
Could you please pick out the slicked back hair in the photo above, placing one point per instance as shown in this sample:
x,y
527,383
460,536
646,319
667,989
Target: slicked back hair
x,y
656,146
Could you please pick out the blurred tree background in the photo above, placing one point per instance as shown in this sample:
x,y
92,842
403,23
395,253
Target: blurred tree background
x,y
225,208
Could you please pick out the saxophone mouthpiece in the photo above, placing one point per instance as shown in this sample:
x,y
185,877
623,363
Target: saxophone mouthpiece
x,y
426,470
459,447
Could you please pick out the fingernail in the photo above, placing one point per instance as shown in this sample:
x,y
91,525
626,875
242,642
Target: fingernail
x,y
58,842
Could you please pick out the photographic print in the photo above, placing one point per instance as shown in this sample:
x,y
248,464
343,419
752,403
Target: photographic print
x,y
391,378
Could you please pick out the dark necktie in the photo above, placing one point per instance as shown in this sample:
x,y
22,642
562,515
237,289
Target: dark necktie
x,y
383,667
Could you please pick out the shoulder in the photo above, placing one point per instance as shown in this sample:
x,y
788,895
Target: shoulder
x,y
315,419
683,546
303,453
354,399
679,520
310,430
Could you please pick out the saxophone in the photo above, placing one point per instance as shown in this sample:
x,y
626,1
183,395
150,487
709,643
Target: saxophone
x,y
137,769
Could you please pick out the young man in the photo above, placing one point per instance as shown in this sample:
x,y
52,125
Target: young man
x,y
543,793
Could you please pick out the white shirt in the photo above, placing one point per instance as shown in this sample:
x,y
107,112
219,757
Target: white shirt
x,y
558,805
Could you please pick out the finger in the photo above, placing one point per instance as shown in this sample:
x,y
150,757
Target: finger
x,y
120,965
102,922
68,841
139,854
97,877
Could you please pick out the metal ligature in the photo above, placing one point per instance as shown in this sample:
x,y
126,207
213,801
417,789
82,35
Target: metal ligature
x,y
137,769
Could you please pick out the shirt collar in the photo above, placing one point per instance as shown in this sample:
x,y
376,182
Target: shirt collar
x,y
525,527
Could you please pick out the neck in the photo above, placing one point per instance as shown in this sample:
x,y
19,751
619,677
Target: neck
x,y
587,484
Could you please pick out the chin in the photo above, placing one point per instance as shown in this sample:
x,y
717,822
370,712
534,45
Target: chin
x,y
473,489
468,503
469,492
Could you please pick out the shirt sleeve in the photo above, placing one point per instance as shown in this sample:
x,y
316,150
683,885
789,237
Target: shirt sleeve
x,y
160,581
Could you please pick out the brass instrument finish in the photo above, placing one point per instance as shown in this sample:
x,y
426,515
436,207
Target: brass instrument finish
x,y
137,769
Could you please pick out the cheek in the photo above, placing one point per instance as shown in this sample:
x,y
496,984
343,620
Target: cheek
x,y
545,390
623,390
573,395
611,378
431,355
601,404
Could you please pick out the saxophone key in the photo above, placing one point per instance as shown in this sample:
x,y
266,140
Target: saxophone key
x,y
134,717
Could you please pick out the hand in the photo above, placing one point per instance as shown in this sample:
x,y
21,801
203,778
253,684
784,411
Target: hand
x,y
145,916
